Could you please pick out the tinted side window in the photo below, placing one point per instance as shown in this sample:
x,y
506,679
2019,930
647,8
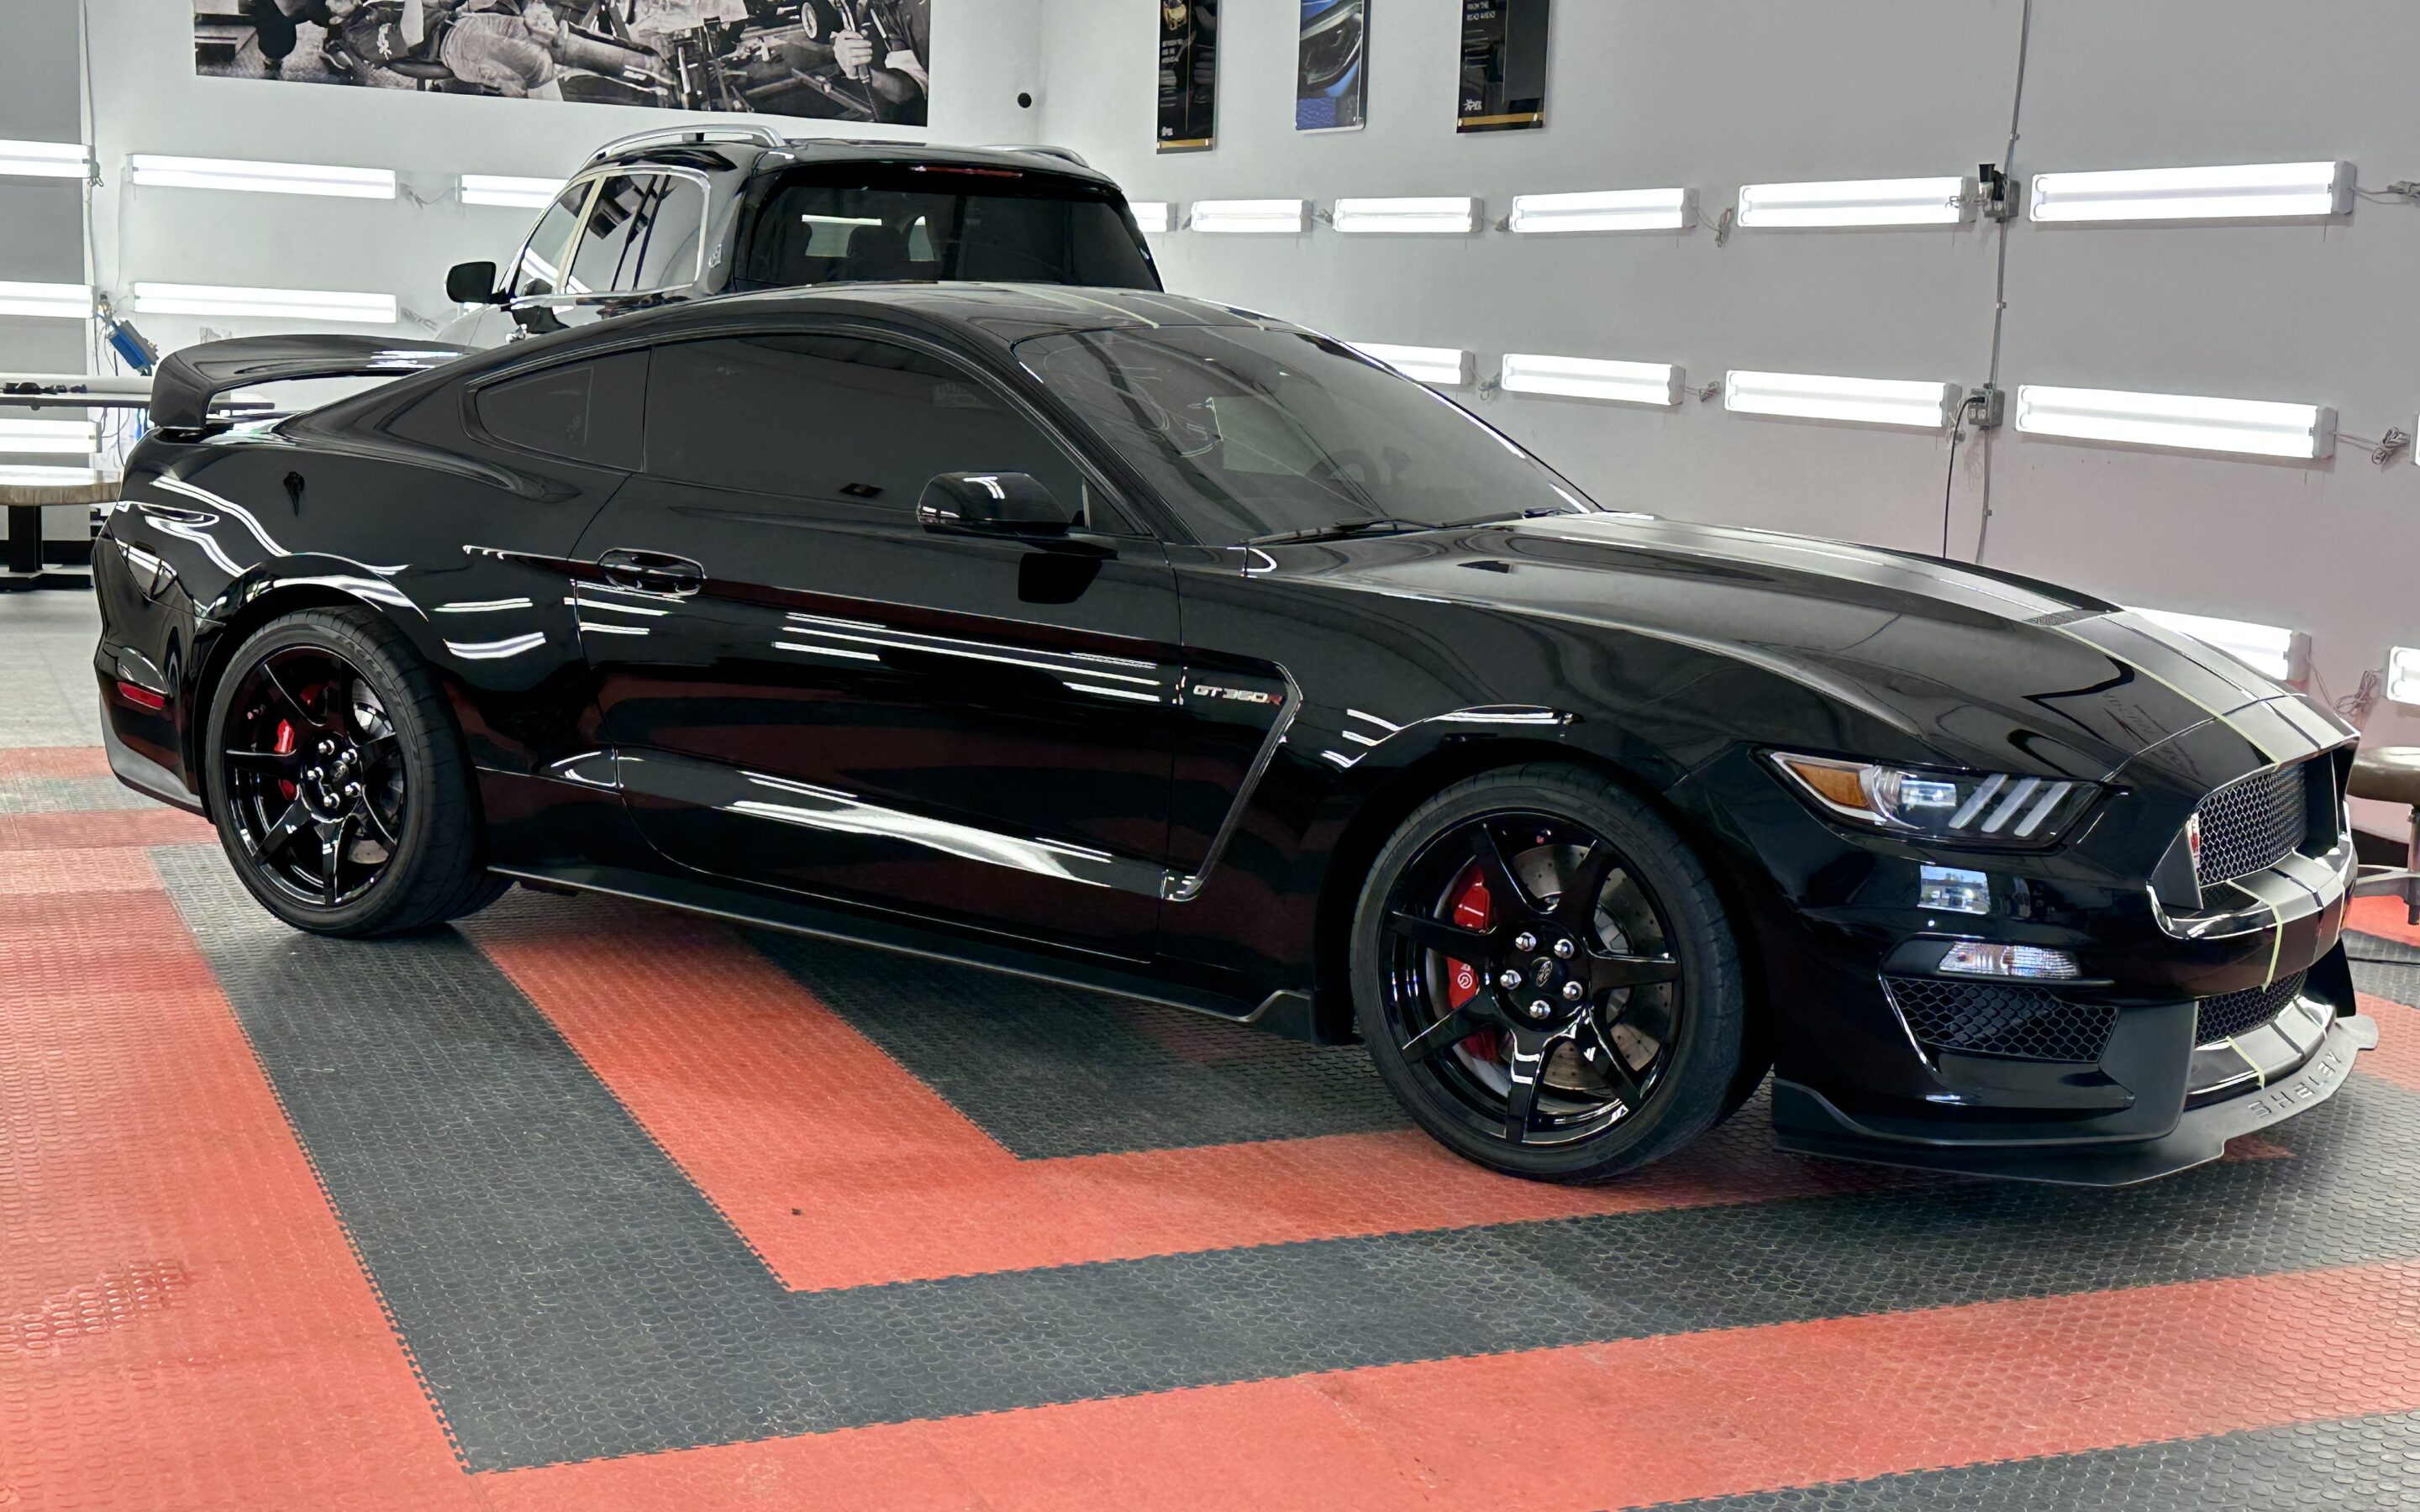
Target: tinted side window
x,y
541,270
836,419
642,235
586,411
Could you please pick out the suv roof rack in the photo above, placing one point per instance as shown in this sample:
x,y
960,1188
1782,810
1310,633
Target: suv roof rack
x,y
699,136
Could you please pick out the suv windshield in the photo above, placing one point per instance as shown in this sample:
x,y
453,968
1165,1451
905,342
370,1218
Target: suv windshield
x,y
860,224
1249,432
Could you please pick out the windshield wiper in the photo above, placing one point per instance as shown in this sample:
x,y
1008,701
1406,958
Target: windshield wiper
x,y
1508,515
1344,529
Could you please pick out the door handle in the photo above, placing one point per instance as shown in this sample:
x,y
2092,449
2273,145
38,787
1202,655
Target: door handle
x,y
652,572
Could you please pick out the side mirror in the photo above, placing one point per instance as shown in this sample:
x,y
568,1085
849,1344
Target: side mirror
x,y
473,284
992,503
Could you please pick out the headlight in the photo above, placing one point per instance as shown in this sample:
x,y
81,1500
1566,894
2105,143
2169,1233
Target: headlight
x,y
1962,807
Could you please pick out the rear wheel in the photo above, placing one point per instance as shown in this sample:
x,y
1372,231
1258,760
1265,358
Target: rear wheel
x,y
338,781
1545,978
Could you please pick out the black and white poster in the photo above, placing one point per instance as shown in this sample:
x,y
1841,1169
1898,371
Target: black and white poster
x,y
1188,75
1332,86
850,60
1503,66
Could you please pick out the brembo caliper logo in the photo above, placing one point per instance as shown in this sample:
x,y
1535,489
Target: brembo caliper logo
x,y
1233,695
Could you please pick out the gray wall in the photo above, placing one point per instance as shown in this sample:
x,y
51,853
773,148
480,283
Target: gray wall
x,y
41,220
1717,93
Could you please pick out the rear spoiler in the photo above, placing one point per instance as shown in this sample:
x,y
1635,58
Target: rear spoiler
x,y
190,378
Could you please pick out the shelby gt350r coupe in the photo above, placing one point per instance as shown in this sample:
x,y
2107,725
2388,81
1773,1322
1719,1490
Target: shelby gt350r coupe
x,y
1138,642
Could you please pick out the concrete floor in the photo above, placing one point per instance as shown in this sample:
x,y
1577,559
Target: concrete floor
x,y
585,1205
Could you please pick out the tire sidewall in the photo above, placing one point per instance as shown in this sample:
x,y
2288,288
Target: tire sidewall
x,y
1692,1094
329,631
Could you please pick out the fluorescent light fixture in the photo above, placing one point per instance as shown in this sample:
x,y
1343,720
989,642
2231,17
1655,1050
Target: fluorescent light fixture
x,y
1611,209
517,193
65,301
45,160
1859,202
1155,217
2268,649
2254,191
1447,366
66,438
2403,674
262,177
1405,217
2253,427
1587,377
288,303
37,476
1248,217
1865,401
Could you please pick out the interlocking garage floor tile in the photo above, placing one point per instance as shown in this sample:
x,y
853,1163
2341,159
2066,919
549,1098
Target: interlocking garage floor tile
x,y
569,1295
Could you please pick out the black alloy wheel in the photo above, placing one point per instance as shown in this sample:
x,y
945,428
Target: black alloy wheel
x,y
338,781
1545,978
314,775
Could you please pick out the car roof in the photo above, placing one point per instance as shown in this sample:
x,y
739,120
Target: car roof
x,y
760,149
1000,313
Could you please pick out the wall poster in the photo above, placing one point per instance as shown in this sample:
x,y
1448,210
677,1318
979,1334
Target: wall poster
x,y
1331,85
850,60
1503,66
1188,75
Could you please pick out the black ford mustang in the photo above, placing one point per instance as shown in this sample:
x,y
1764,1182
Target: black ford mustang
x,y
1138,642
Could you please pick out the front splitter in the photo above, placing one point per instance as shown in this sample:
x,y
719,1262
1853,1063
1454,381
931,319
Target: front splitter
x,y
1809,1124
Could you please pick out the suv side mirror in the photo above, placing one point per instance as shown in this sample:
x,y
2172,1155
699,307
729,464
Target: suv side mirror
x,y
473,284
992,503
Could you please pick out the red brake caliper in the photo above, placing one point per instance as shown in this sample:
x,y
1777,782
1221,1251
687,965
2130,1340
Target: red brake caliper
x,y
1471,910
285,746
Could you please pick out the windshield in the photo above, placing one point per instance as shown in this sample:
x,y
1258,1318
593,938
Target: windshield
x,y
936,222
1249,432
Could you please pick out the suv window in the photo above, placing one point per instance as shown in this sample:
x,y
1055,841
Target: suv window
x,y
867,224
540,269
641,236
584,411
835,418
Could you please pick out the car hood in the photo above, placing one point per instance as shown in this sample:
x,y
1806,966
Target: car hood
x,y
1981,669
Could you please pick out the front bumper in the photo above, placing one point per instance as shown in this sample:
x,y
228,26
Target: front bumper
x,y
1810,1124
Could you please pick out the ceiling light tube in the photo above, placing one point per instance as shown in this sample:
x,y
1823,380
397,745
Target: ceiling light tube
x,y
2253,427
64,301
1251,217
1863,401
2252,191
1858,202
2270,650
39,476
65,438
150,171
286,304
1446,367
516,193
1152,217
1405,217
1588,378
45,160
1611,209
2403,674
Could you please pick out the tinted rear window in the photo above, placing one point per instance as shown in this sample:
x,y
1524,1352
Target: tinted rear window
x,y
587,411
883,222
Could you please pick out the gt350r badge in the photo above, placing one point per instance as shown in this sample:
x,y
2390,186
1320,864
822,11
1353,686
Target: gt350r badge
x,y
1233,695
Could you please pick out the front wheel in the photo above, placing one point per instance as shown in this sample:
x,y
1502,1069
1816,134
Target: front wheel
x,y
338,781
1547,979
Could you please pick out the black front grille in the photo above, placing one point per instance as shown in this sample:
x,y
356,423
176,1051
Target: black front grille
x,y
2232,1013
2254,823
1994,1018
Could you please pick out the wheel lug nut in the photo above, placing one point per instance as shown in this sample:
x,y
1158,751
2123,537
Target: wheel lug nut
x,y
1540,1010
1572,991
1524,941
1562,950
1509,980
